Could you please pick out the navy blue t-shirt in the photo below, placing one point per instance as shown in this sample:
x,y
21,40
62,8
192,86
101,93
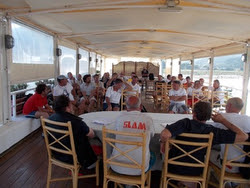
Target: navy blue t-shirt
x,y
186,125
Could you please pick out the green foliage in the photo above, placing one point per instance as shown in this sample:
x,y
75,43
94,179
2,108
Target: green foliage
x,y
16,87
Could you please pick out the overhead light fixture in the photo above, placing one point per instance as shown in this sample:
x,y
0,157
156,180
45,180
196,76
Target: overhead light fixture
x,y
171,6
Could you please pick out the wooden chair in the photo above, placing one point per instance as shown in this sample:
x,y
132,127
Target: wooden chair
x,y
161,95
118,179
127,93
224,176
63,130
176,160
150,88
196,97
220,105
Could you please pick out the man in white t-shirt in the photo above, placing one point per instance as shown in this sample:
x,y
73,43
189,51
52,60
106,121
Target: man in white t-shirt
x,y
177,97
71,78
196,90
135,122
233,108
113,95
87,89
64,88
135,86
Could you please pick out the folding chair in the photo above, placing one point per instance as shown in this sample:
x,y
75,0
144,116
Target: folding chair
x,y
224,176
55,144
150,88
118,179
198,142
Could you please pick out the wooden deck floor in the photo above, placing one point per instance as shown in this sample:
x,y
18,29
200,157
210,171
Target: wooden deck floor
x,y
25,165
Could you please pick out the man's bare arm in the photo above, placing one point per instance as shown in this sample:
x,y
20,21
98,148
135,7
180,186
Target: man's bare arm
x,y
240,135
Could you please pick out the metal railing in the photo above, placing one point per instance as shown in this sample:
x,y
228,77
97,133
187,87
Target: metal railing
x,y
14,105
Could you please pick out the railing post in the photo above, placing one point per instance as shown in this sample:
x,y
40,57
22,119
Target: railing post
x,y
14,105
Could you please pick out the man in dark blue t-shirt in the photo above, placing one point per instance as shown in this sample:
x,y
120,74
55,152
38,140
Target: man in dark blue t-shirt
x,y
201,113
81,132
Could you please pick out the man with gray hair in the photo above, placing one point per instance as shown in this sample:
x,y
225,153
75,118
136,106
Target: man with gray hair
x,y
233,108
135,122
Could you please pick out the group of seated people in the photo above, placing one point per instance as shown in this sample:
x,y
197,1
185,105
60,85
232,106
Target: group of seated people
x,y
229,127
75,94
84,93
183,93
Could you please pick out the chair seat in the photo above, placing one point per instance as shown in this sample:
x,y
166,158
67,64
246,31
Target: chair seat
x,y
228,176
185,177
235,177
63,164
125,179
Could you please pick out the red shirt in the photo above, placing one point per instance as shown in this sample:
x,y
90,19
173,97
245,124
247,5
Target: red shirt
x,y
32,104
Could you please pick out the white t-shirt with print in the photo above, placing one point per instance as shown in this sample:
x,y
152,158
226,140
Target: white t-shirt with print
x,y
179,92
63,90
134,122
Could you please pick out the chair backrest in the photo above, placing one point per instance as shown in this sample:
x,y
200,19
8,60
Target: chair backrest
x,y
110,140
201,96
222,97
235,160
185,152
59,138
127,93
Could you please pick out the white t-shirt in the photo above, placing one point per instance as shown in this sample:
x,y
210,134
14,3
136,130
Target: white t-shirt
x,y
180,92
135,122
220,95
99,84
241,121
114,96
135,87
87,88
63,90
192,90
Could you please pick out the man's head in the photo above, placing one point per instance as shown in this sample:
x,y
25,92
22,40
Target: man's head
x,y
176,85
234,105
216,84
201,81
79,77
173,78
133,74
118,83
159,78
96,78
134,79
70,76
180,76
87,78
197,84
42,89
202,111
114,75
169,77
188,79
61,104
62,80
133,103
